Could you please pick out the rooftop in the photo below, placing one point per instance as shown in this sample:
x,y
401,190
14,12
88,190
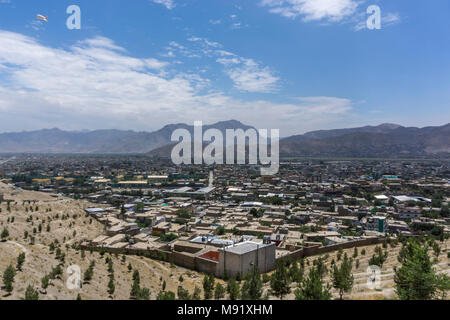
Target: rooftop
x,y
246,247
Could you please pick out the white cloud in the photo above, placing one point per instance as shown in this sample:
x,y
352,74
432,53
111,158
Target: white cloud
x,y
313,10
102,42
390,18
236,25
169,4
321,105
205,42
246,74
249,76
95,84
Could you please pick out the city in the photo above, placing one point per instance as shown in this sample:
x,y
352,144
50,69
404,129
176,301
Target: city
x,y
224,158
224,220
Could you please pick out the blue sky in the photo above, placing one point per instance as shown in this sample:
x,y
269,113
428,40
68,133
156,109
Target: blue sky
x,y
296,65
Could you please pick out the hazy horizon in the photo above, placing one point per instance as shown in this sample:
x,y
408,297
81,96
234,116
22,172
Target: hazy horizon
x,y
208,124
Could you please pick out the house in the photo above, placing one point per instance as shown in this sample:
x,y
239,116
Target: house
x,y
382,198
405,213
376,223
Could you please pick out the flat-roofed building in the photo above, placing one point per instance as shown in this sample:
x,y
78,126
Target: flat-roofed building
x,y
242,257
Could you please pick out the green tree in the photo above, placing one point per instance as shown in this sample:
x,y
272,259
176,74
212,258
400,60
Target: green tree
x,y
321,266
165,295
219,292
416,278
355,252
220,231
111,286
280,282
45,281
442,286
144,294
197,293
233,289
110,266
208,286
183,294
89,273
56,272
8,278
136,276
312,287
342,277
20,261
436,249
135,288
5,234
252,287
339,254
296,273
379,258
31,293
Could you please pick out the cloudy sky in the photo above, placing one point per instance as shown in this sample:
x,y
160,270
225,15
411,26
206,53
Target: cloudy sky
x,y
295,65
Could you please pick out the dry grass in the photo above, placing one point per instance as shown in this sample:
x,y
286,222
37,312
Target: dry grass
x,y
40,261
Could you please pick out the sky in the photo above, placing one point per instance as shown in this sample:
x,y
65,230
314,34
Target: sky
x,y
293,65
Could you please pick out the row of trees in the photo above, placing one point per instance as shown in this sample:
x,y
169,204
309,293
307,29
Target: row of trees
x,y
416,279
9,277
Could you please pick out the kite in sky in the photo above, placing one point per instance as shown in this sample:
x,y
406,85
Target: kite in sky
x,y
42,18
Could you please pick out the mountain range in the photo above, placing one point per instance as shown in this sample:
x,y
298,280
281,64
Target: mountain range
x,y
386,140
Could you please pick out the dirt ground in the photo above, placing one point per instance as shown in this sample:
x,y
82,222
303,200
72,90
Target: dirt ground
x,y
360,290
39,260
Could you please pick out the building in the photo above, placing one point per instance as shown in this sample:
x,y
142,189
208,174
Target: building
x,y
382,198
405,213
242,257
376,223
157,179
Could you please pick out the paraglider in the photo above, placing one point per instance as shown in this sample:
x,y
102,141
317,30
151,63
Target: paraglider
x,y
42,18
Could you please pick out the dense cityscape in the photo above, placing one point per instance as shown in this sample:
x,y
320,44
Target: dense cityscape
x,y
224,159
228,221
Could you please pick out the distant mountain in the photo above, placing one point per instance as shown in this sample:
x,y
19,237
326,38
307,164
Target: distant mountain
x,y
99,141
390,141
386,140
383,128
